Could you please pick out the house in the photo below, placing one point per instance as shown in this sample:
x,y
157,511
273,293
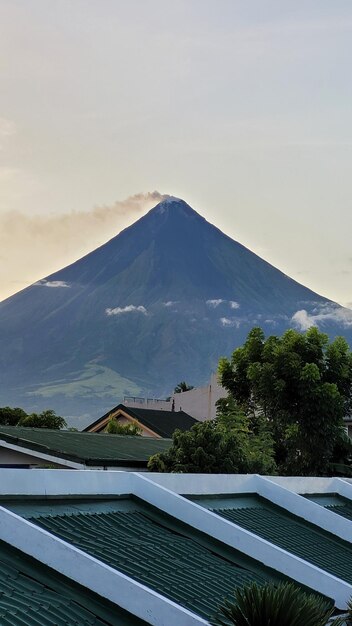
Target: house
x,y
132,549
152,422
38,447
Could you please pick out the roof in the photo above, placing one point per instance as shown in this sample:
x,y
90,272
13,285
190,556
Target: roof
x,y
335,503
152,549
31,594
163,423
287,531
88,448
116,548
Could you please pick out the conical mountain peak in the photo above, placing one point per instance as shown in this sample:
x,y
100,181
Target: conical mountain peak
x,y
158,303
174,206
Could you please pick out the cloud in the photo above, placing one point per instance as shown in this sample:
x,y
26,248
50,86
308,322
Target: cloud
x,y
170,303
215,303
46,243
227,322
127,309
233,304
328,312
51,283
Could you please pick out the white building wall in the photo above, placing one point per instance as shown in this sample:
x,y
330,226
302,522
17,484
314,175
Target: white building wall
x,y
200,402
15,457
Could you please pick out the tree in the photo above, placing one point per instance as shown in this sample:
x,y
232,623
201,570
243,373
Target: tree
x,y
46,419
281,605
11,417
223,445
182,386
301,385
114,428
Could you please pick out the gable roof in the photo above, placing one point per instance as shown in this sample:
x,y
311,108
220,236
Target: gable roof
x,y
154,550
87,448
162,423
138,543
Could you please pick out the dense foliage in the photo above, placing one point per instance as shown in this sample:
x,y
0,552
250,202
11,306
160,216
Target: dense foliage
x,y
224,445
18,417
284,605
114,428
11,417
301,385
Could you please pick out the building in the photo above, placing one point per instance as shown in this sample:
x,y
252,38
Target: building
x,y
152,422
200,402
41,447
132,549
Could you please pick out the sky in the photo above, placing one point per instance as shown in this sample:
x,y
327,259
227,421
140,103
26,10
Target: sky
x,y
240,107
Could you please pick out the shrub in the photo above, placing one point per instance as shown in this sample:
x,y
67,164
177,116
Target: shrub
x,y
269,605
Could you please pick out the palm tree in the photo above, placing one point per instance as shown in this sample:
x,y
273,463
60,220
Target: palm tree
x,y
182,386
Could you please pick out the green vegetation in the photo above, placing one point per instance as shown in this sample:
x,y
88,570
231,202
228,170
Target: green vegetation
x,y
104,382
348,621
224,445
300,384
11,417
284,605
18,417
114,428
287,397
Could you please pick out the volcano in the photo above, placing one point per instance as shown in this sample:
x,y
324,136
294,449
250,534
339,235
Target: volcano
x,y
158,303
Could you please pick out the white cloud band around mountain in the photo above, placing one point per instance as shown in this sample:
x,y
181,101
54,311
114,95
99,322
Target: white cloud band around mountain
x,y
328,312
214,303
52,283
228,322
126,309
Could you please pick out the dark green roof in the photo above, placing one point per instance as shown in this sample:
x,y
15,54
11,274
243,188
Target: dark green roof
x,y
163,423
195,572
87,448
335,503
33,595
305,540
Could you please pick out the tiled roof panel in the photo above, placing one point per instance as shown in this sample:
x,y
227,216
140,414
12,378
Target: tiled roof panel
x,y
26,602
153,553
89,448
341,509
294,535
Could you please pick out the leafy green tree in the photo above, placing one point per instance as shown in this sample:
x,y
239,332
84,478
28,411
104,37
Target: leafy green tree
x,y
301,385
114,428
281,605
11,417
46,419
182,386
223,445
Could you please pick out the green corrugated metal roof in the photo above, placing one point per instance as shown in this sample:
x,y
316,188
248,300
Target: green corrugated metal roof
x,y
33,595
158,552
88,448
291,533
335,503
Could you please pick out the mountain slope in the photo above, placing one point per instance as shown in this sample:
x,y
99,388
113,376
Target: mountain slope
x,y
158,303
